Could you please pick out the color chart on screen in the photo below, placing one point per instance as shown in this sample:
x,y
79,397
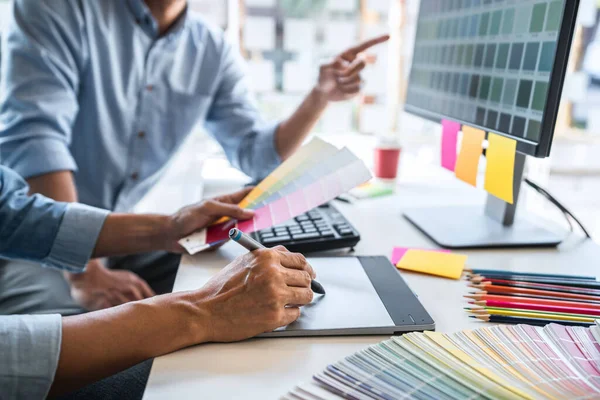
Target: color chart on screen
x,y
486,62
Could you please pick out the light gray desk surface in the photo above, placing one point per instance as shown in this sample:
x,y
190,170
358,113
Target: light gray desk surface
x,y
268,368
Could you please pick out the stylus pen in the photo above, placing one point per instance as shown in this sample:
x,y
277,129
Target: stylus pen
x,y
250,244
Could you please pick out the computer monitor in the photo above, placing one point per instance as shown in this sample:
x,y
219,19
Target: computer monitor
x,y
497,65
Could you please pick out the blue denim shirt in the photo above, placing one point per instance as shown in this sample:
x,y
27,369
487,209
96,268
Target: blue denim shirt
x,y
91,87
59,235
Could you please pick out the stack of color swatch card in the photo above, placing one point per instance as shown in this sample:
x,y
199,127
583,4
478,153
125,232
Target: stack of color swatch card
x,y
533,298
495,362
317,173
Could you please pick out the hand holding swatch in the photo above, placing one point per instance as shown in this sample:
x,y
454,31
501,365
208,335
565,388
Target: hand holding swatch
x,y
325,177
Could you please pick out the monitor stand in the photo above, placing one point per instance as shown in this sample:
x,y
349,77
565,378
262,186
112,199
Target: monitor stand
x,y
472,227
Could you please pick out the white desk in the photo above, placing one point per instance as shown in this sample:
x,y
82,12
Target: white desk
x,y
268,368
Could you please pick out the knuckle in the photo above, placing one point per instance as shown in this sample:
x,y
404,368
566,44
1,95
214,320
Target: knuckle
x,y
306,277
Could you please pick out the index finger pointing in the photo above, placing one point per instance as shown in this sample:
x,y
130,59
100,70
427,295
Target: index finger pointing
x,y
368,44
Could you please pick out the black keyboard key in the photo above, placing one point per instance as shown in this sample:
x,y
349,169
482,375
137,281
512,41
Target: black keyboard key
x,y
310,230
302,218
305,236
276,239
346,232
266,235
327,234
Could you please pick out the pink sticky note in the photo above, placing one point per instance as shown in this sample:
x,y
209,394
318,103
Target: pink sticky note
x,y
297,203
399,252
247,226
220,232
262,218
450,131
280,211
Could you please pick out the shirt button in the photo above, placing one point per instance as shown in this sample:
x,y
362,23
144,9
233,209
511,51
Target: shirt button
x,y
149,88
141,134
135,176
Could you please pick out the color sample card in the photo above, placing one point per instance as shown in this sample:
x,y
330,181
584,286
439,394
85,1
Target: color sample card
x,y
471,149
447,265
450,131
494,362
345,176
480,62
500,170
399,252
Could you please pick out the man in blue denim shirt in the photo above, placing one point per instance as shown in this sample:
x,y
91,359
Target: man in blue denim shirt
x,y
41,354
97,96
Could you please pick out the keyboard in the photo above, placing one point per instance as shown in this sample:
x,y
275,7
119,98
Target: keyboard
x,y
322,228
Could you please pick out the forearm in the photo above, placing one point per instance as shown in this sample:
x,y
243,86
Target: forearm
x,y
292,132
130,234
58,186
99,344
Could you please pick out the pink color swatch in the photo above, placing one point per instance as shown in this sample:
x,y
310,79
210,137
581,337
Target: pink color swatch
x,y
297,203
280,211
314,194
450,131
399,252
262,218
219,233
247,226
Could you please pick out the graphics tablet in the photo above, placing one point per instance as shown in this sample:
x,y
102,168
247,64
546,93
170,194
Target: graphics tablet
x,y
365,296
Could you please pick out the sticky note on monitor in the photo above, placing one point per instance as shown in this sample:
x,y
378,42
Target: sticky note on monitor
x,y
450,131
500,171
399,252
447,265
471,147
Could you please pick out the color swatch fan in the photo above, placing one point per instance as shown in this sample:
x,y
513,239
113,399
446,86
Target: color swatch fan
x,y
316,174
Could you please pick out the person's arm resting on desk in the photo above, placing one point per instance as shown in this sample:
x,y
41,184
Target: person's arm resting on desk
x,y
256,147
42,354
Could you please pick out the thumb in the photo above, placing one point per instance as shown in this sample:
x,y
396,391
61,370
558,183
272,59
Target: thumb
x,y
218,209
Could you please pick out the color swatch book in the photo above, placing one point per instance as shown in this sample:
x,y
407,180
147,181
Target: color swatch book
x,y
316,174
496,362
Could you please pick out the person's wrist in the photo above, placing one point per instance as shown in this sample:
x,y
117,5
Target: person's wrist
x,y
319,96
193,316
167,233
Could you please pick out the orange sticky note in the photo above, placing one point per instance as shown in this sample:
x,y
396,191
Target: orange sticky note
x,y
500,171
470,152
448,265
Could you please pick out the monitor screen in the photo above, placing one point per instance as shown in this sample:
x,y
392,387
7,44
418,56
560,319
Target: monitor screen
x,y
492,65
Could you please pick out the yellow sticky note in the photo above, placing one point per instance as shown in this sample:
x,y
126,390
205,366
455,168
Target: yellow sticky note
x,y
500,171
447,265
467,163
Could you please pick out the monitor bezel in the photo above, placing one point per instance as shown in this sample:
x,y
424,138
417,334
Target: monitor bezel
x,y
557,78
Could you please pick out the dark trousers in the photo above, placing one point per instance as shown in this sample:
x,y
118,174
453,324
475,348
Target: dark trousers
x,y
28,288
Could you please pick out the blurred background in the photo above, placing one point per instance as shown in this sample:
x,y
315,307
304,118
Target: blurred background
x,y
284,41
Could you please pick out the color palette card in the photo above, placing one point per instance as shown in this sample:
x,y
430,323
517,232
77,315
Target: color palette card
x,y
333,176
494,362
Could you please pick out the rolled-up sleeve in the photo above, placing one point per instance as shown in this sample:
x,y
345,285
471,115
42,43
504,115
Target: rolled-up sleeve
x,y
39,229
29,353
42,55
76,237
235,122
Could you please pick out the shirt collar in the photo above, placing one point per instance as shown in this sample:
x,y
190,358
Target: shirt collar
x,y
143,17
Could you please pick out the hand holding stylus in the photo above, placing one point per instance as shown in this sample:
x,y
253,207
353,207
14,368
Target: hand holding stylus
x,y
250,244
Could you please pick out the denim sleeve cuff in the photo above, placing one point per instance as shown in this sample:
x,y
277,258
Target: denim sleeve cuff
x,y
266,157
37,156
76,238
29,353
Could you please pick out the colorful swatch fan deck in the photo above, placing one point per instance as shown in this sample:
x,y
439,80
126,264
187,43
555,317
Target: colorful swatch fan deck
x,y
316,174
497,362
